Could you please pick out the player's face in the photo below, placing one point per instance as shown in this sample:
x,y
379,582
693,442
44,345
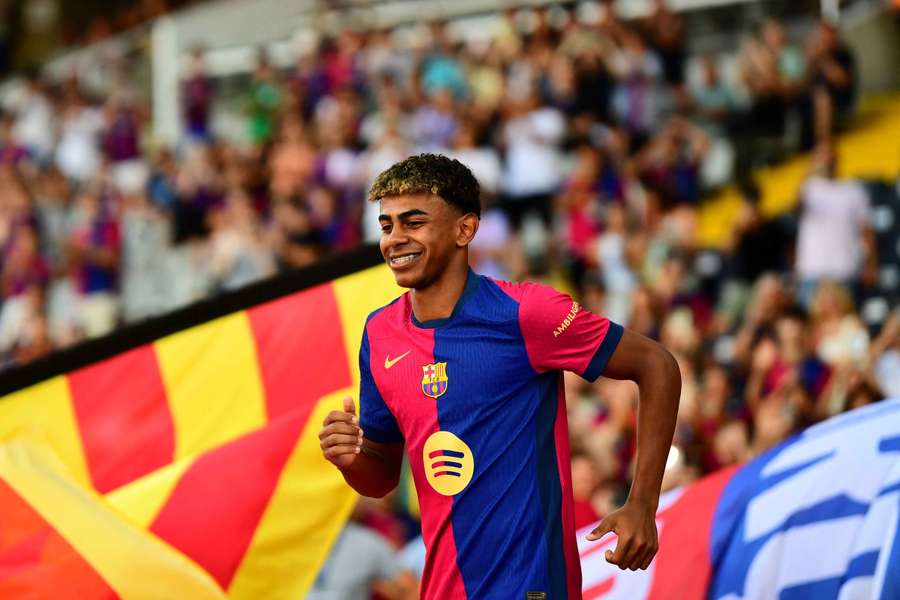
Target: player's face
x,y
418,237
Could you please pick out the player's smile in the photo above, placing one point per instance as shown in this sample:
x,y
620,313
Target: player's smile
x,y
404,260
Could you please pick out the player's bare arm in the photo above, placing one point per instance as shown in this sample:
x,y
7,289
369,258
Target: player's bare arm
x,y
655,371
370,468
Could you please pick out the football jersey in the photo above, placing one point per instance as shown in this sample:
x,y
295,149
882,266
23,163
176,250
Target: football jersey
x,y
478,400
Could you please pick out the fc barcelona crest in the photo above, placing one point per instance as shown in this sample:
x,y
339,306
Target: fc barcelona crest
x,y
434,379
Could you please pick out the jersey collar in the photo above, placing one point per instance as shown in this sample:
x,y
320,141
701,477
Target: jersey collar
x,y
472,282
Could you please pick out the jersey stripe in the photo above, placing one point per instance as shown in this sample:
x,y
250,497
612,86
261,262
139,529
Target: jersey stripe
x,y
549,480
499,523
442,577
564,465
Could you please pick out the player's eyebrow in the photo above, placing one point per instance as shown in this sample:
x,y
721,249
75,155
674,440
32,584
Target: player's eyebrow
x,y
404,215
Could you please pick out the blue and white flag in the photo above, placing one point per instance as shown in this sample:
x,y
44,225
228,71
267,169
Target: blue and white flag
x,y
814,518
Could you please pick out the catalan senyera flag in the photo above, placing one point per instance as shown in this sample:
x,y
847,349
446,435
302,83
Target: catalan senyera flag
x,y
188,467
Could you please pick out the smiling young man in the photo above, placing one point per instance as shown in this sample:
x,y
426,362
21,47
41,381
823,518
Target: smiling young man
x,y
465,373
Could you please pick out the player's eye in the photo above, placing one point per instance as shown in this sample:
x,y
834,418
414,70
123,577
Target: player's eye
x,y
415,224
385,227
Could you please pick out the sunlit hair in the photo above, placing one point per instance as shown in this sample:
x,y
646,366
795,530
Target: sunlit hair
x,y
827,295
430,174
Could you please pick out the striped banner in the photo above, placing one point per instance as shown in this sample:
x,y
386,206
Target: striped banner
x,y
188,467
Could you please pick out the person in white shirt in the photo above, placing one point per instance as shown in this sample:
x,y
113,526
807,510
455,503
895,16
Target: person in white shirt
x,y
35,121
835,240
532,173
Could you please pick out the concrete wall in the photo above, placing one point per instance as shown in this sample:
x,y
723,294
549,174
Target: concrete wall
x,y
874,35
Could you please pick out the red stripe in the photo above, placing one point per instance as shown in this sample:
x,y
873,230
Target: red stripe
x,y
300,348
441,578
217,504
123,416
564,465
598,590
683,569
36,562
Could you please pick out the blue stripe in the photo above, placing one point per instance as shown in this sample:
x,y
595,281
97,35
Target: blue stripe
x,y
450,453
891,586
492,404
549,485
889,444
447,463
894,487
604,352
860,566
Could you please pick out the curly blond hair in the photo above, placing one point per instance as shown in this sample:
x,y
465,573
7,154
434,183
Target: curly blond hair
x,y
430,174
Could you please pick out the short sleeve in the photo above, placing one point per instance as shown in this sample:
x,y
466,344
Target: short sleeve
x,y
375,418
561,335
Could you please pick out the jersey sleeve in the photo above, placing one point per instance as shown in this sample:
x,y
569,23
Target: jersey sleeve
x,y
560,335
375,418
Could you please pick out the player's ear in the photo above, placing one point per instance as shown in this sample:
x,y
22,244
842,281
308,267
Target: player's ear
x,y
467,226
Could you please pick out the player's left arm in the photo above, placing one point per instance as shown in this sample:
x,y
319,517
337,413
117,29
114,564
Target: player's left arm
x,y
656,373
561,335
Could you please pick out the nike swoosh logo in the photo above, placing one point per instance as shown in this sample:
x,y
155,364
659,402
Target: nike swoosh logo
x,y
388,363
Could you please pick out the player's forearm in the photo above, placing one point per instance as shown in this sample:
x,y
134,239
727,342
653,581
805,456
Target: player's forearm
x,y
374,473
659,382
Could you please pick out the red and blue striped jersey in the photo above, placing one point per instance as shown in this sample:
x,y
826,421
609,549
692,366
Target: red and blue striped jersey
x,y
478,400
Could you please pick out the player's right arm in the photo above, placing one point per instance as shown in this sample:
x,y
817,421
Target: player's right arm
x,y
371,468
369,460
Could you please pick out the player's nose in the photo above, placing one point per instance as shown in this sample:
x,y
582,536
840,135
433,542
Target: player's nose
x,y
396,238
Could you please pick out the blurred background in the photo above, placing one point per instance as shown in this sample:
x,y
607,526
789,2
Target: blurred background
x,y
720,175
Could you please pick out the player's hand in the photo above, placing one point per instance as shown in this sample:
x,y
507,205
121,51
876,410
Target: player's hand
x,y
340,437
635,524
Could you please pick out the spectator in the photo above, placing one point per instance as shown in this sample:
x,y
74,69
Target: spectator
x,y
264,99
78,152
585,482
35,120
833,76
95,250
531,135
11,151
638,100
835,240
197,97
665,30
713,100
360,561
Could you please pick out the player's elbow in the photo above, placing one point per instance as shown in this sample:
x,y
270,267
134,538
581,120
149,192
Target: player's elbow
x,y
661,369
380,489
669,367
372,489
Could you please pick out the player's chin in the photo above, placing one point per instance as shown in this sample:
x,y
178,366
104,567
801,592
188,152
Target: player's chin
x,y
408,278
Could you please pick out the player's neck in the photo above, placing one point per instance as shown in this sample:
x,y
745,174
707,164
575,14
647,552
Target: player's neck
x,y
438,300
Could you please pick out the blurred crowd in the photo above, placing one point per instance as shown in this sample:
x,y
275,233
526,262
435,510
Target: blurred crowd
x,y
594,141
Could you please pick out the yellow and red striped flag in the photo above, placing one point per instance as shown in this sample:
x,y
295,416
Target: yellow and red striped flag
x,y
201,445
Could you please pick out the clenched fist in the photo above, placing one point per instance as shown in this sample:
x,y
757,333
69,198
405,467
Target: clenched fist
x,y
340,437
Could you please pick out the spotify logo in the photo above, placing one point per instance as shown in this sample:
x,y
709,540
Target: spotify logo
x,y
448,462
